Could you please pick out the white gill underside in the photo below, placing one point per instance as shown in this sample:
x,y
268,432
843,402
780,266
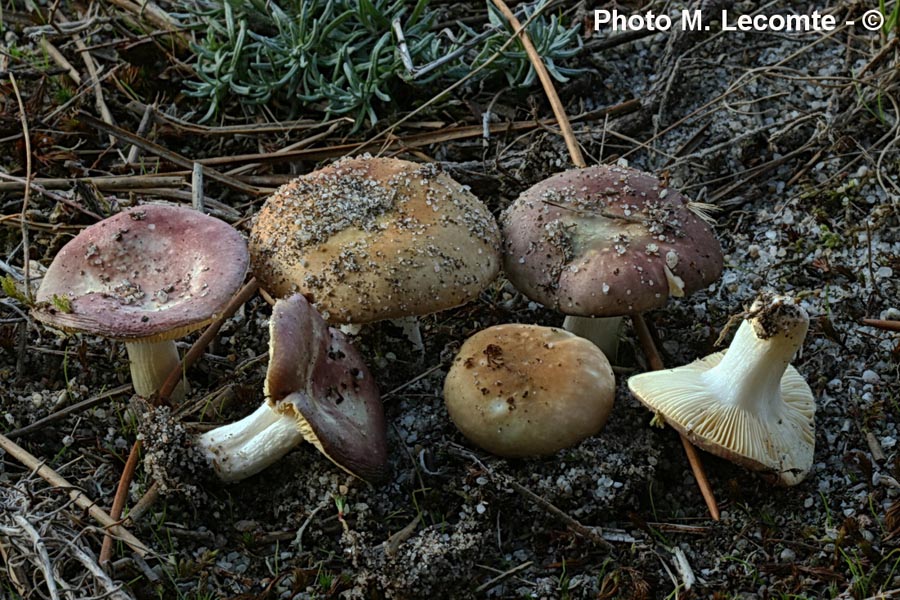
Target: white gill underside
x,y
783,443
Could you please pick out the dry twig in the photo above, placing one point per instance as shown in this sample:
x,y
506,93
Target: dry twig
x,y
79,497
538,64
646,340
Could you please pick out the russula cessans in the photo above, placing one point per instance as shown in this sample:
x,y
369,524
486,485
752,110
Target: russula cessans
x,y
606,241
317,388
747,404
145,276
367,239
526,390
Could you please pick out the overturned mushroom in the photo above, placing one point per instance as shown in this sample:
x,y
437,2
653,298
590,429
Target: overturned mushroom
x,y
317,388
606,241
145,276
526,390
367,239
748,404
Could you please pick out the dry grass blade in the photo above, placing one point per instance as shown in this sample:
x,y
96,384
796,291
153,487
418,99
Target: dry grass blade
x,y
558,109
119,499
69,410
43,557
882,324
656,363
166,154
151,12
110,183
28,175
79,497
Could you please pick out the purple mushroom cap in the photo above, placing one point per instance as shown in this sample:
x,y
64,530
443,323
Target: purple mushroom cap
x,y
155,272
316,375
599,242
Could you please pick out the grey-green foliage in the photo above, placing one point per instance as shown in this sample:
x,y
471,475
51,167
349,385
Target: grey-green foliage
x,y
341,56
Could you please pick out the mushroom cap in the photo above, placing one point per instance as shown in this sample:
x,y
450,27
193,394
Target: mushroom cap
x,y
367,239
150,273
780,441
599,241
317,376
527,390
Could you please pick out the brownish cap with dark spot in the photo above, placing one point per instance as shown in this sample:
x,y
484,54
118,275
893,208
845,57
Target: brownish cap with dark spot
x,y
367,239
526,390
317,376
151,273
606,241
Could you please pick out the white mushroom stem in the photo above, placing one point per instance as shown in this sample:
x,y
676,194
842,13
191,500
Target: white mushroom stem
x,y
750,374
248,446
151,363
603,331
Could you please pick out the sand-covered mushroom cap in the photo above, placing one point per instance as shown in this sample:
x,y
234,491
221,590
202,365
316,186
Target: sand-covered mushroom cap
x,y
317,388
368,238
747,404
154,272
606,241
527,390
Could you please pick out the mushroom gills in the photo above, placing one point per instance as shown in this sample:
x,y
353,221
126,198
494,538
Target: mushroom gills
x,y
748,404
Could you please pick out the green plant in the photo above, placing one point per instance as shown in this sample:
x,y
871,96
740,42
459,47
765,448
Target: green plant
x,y
749,569
551,39
10,288
563,585
892,19
343,57
864,578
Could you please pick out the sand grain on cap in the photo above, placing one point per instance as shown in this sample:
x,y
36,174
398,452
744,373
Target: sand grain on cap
x,y
599,241
151,271
372,238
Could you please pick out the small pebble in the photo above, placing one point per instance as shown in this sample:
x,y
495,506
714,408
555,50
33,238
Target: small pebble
x,y
788,555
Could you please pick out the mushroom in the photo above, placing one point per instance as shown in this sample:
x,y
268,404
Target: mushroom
x,y
606,241
526,390
145,276
317,388
748,404
367,239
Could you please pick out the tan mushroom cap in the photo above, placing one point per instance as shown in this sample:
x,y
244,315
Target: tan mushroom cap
x,y
599,242
367,239
318,377
526,390
150,273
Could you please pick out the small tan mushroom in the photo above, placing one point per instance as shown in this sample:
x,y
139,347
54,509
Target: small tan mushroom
x,y
748,404
526,390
